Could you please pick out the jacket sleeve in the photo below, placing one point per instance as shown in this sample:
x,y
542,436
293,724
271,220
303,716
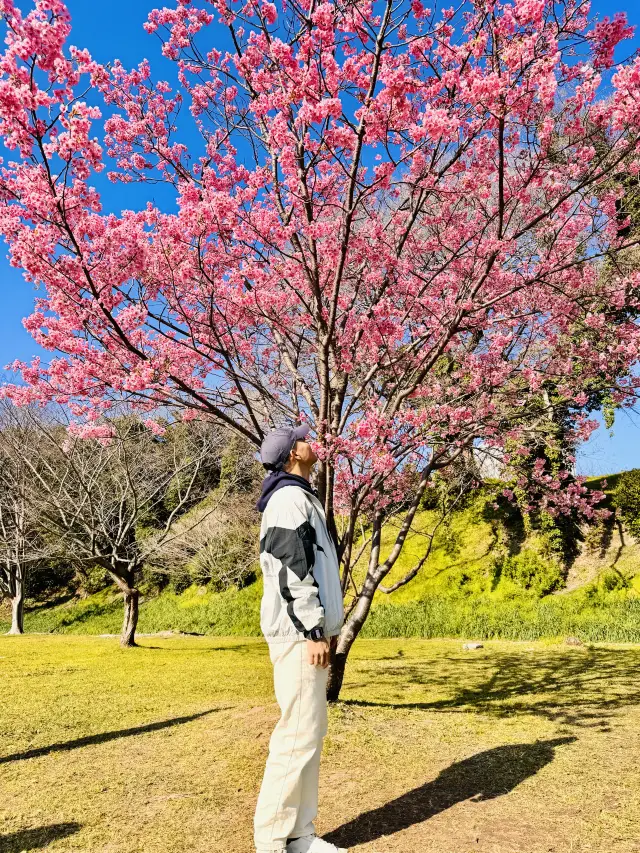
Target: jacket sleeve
x,y
291,540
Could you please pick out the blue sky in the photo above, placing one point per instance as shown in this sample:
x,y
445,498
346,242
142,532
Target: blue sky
x,y
116,32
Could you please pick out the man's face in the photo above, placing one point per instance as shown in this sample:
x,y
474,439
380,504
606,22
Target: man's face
x,y
304,452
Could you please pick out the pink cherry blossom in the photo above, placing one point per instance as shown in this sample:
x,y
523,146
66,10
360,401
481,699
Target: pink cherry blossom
x,y
409,306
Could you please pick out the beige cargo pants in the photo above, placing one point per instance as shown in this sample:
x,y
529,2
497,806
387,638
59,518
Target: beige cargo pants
x,y
288,800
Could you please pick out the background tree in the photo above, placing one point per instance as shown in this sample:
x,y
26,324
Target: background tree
x,y
111,501
375,232
216,543
21,545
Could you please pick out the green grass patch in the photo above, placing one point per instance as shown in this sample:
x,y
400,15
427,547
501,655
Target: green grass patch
x,y
234,612
161,748
592,615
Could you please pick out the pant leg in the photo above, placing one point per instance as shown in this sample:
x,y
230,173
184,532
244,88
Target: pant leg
x,y
308,810
310,775
288,799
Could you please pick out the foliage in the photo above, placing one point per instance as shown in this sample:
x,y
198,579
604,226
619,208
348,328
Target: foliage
x,y
626,499
593,614
233,612
591,619
239,470
612,580
531,571
50,577
484,550
87,499
211,548
94,579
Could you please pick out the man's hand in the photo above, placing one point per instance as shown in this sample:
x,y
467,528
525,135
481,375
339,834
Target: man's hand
x,y
318,652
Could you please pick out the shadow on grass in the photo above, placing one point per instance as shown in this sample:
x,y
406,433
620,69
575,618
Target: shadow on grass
x,y
484,776
49,603
104,737
573,687
42,836
90,611
244,649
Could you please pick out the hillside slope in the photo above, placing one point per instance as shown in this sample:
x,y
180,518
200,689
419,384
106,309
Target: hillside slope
x,y
485,576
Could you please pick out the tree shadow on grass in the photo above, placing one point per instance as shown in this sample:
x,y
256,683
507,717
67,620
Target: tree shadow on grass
x,y
49,603
572,687
31,839
103,737
243,649
484,776
90,611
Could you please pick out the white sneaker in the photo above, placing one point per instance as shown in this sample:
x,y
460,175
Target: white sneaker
x,y
313,844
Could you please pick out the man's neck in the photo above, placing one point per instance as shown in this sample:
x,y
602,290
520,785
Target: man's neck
x,y
299,471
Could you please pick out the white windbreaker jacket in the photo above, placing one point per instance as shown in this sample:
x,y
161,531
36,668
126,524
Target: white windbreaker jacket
x,y
300,568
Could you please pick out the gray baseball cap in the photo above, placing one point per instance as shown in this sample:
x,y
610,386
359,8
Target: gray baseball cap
x,y
277,444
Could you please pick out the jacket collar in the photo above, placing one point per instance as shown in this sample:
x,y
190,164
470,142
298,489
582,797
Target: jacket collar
x,y
278,480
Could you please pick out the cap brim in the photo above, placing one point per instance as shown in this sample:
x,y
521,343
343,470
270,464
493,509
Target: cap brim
x,y
301,431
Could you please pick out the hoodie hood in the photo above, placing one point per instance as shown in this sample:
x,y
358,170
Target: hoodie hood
x,y
278,480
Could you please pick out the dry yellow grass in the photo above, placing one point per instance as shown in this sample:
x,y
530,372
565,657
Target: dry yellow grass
x,y
516,748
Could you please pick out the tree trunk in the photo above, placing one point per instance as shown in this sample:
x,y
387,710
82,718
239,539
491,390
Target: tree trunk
x,y
128,638
375,574
17,610
125,578
347,638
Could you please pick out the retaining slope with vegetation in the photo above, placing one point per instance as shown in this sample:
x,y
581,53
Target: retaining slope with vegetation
x,y
487,577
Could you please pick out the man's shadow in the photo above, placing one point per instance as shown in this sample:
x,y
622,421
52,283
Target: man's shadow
x,y
484,776
32,839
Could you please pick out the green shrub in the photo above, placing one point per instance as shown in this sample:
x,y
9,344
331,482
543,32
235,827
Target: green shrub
x,y
561,535
239,470
95,579
626,500
597,537
180,581
612,580
531,571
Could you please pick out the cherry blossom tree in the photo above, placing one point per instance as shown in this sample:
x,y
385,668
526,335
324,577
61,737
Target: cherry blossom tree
x,y
390,221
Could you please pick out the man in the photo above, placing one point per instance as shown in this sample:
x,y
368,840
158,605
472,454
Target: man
x,y
301,615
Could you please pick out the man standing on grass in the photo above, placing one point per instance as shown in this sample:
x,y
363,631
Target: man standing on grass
x,y
301,615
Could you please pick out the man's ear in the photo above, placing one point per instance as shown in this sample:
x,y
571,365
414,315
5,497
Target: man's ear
x,y
290,460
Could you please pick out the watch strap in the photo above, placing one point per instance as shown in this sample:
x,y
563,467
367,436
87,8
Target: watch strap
x,y
315,634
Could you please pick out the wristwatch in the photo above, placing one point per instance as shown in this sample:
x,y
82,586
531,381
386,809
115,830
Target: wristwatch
x,y
315,634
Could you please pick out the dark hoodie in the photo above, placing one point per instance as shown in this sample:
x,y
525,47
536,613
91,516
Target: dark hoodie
x,y
278,480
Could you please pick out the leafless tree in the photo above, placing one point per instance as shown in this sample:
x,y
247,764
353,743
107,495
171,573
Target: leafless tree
x,y
20,545
99,498
215,544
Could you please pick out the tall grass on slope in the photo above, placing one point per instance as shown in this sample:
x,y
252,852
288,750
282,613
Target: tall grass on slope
x,y
234,612
610,618
615,621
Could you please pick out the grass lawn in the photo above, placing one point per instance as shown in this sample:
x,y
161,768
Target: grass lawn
x,y
516,748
